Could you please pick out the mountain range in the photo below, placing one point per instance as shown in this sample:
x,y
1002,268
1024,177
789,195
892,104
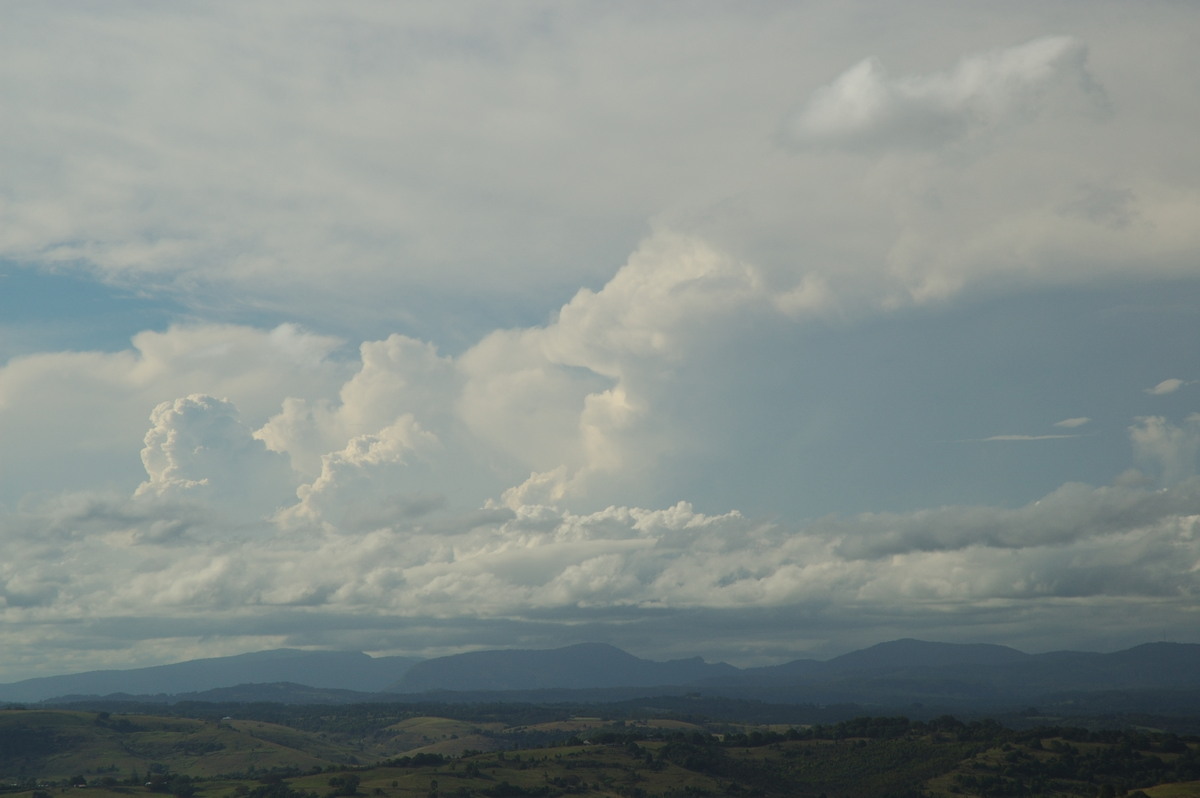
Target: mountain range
x,y
348,670
893,674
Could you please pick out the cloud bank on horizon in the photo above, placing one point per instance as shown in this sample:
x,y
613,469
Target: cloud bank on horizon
x,y
531,325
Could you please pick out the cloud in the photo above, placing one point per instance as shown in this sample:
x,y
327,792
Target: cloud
x,y
246,159
1023,438
583,283
394,378
865,108
79,416
1071,515
1166,387
582,397
353,480
234,193
423,577
197,446
554,574
1169,449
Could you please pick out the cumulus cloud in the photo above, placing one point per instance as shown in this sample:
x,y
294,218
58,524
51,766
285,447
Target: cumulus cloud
x,y
75,414
197,446
1166,387
1019,437
395,377
371,466
553,571
1069,515
581,408
1170,450
866,108
623,573
500,472
580,398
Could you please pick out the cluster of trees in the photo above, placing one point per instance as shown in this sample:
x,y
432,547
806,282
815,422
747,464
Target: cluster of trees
x,y
1128,762
895,756
419,760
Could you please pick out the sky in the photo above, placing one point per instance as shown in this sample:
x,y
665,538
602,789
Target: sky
x,y
753,331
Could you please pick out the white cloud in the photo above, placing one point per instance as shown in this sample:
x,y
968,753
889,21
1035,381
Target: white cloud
x,y
1016,437
578,399
232,157
460,172
78,416
548,569
395,377
1166,387
165,555
353,480
1170,450
866,108
1070,515
198,448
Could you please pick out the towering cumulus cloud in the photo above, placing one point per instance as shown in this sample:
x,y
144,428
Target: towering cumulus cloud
x,y
749,331
198,447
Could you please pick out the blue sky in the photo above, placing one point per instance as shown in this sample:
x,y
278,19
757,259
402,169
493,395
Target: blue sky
x,y
751,332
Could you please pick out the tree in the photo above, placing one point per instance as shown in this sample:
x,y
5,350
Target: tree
x,y
346,785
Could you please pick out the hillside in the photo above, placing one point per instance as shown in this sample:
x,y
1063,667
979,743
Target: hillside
x,y
590,756
325,669
1159,678
587,665
57,744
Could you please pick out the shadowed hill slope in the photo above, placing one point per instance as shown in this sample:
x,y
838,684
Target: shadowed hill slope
x,y
587,665
333,669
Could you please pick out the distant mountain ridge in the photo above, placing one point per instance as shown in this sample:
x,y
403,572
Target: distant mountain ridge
x,y
582,666
323,669
893,674
905,656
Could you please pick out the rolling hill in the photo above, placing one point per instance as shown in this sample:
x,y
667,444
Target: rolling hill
x,y
347,670
583,666
900,673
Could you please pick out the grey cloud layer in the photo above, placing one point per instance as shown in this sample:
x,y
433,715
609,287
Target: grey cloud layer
x,y
213,151
865,108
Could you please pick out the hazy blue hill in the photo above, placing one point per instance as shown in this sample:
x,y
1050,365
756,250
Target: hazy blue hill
x,y
893,674
279,693
981,676
909,654
904,659
587,665
788,673
333,669
1148,666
